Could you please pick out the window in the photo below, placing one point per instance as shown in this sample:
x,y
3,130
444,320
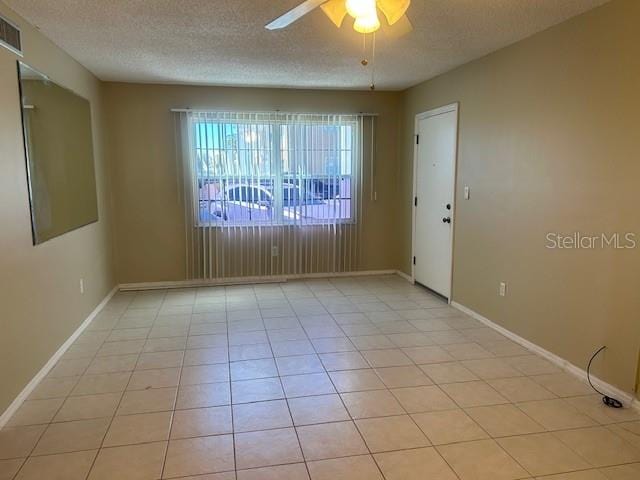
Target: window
x,y
275,169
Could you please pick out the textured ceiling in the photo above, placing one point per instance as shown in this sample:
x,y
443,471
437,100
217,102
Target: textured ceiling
x,y
223,42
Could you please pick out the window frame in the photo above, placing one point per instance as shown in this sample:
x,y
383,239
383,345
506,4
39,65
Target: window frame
x,y
278,177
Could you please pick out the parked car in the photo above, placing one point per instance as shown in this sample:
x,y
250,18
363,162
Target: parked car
x,y
244,203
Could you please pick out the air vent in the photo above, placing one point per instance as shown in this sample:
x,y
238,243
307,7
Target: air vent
x,y
10,36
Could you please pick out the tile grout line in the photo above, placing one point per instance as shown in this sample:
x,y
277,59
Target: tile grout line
x,y
115,412
286,399
177,396
233,430
345,407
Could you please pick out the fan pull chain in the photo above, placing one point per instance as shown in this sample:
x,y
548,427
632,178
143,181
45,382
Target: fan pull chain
x,y
372,87
365,62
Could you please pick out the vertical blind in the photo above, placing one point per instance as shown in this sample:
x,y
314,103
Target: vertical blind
x,y
271,194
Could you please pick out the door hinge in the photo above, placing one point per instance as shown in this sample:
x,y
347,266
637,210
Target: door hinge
x,y
417,139
415,202
414,260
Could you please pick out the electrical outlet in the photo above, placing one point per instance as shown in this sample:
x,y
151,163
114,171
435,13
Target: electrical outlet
x,y
82,286
274,251
503,289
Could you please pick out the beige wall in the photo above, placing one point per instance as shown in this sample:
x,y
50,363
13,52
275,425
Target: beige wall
x,y
150,235
548,142
40,301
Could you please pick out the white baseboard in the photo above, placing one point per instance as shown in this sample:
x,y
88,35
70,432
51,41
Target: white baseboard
x,y
30,387
627,398
247,280
408,278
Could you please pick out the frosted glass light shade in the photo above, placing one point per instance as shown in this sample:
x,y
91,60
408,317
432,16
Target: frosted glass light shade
x,y
361,8
366,24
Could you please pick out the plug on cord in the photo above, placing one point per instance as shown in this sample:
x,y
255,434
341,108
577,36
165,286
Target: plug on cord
x,y
606,399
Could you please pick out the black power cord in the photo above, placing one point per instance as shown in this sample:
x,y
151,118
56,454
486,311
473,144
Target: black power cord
x,y
606,399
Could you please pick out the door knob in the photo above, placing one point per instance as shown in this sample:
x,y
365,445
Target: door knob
x,y
447,220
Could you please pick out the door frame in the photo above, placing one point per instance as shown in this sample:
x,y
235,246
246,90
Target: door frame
x,y
452,107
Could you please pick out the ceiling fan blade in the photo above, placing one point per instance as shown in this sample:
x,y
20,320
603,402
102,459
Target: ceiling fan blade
x,y
294,15
399,29
394,10
336,11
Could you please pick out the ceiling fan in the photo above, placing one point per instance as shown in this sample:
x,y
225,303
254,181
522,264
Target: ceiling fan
x,y
364,13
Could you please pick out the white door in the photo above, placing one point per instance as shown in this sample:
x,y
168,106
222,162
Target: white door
x,y
435,170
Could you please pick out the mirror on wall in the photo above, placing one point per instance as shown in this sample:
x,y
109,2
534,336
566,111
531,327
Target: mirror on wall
x,y
59,156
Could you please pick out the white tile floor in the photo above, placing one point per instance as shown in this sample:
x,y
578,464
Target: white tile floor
x,y
350,378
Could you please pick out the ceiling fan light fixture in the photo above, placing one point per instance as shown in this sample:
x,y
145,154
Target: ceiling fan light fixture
x,y
365,13
368,24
